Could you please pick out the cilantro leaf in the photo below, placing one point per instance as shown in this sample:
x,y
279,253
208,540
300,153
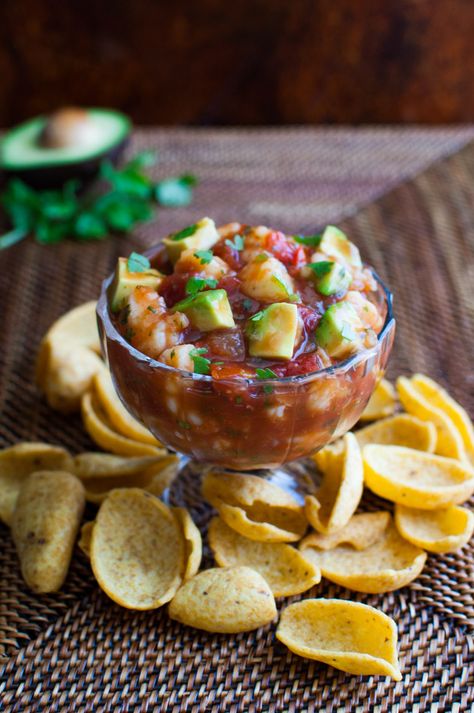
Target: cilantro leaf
x,y
12,237
261,258
257,316
89,226
321,268
137,263
175,192
265,373
237,244
201,364
185,232
197,284
309,240
204,256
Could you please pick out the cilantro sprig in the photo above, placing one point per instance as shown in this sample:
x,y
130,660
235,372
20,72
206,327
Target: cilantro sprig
x,y
202,365
138,263
321,268
309,240
197,284
237,243
265,373
128,197
204,256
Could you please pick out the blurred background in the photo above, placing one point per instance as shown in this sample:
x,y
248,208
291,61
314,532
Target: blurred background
x,y
242,62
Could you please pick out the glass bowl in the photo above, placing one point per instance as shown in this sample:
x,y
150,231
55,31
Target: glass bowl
x,y
244,424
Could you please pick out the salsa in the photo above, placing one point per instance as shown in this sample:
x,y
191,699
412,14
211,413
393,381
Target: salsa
x,y
249,318
241,300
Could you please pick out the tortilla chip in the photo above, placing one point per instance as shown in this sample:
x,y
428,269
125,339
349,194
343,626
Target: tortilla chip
x,y
85,538
361,531
382,403
193,541
350,636
90,465
390,563
443,530
225,601
284,568
401,430
416,479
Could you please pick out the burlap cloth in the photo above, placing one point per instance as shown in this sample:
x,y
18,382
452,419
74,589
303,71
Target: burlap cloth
x,y
78,651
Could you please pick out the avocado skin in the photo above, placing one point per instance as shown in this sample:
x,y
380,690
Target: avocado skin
x,y
54,176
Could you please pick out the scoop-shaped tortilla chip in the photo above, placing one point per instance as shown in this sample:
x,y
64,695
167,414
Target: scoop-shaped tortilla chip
x,y
401,430
361,531
90,465
390,563
121,420
17,462
382,403
350,636
224,600
101,431
284,568
449,441
255,507
341,490
45,524
439,397
416,479
193,542
70,375
137,549
84,541
443,530
153,479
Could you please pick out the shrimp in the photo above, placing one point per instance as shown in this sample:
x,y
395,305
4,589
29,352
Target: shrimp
x,y
366,310
150,326
179,357
189,262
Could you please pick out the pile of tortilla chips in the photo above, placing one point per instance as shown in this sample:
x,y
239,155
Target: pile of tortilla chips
x,y
145,554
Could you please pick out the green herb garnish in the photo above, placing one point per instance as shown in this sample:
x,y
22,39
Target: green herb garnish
x,y
201,364
237,244
184,424
320,268
152,310
185,232
128,199
247,304
204,256
137,263
197,284
291,296
261,258
310,240
257,316
265,373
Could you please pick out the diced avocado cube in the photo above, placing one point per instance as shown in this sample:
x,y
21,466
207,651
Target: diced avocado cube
x,y
336,244
272,332
329,278
207,310
339,331
200,236
124,283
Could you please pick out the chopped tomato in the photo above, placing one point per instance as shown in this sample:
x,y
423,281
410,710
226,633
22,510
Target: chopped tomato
x,y
231,256
288,252
173,288
225,344
304,364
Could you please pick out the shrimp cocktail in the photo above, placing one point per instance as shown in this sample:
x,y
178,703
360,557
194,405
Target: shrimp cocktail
x,y
244,347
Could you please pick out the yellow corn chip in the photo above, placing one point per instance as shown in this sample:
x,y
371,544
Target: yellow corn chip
x,y
17,462
100,430
90,465
400,430
416,479
443,530
45,524
85,538
350,636
284,568
153,479
255,507
119,417
382,403
439,397
341,490
449,441
226,601
390,563
361,531
193,541
137,549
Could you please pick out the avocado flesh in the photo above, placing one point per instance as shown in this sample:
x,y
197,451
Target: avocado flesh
x,y
23,155
338,332
273,336
207,310
336,244
203,238
336,280
124,283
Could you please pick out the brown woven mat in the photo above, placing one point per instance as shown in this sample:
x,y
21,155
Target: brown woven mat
x,y
77,650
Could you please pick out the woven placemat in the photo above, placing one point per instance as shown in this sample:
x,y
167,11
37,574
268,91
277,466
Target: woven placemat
x,y
78,651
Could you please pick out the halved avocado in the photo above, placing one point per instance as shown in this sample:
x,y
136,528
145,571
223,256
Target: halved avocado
x,y
70,144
